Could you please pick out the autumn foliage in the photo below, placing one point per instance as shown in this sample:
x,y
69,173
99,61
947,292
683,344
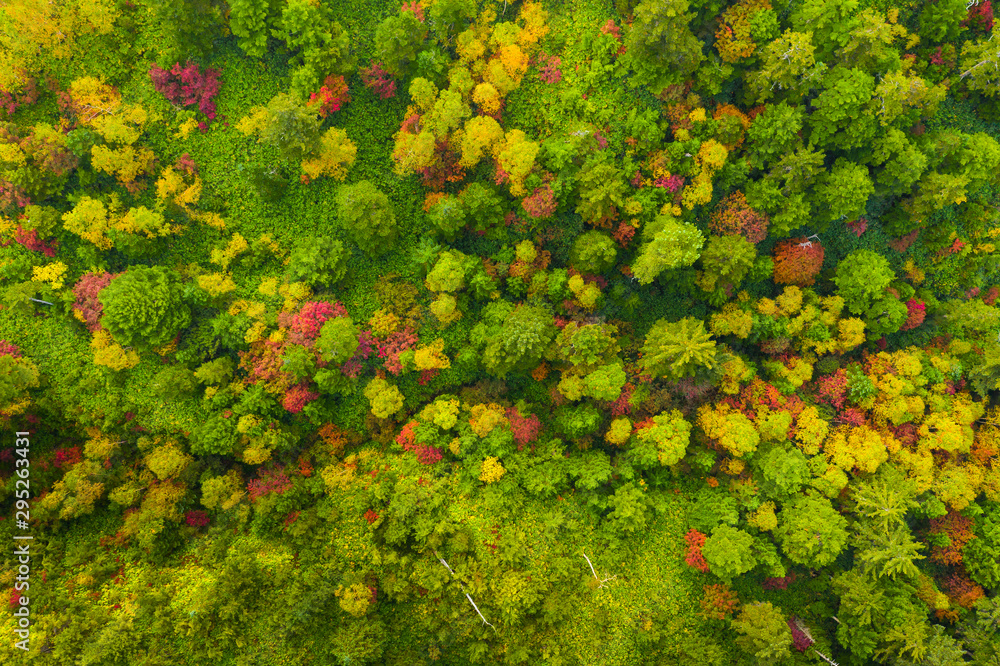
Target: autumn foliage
x,y
797,261
188,85
734,216
693,558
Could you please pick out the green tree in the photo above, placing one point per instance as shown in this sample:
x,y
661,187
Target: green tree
x,y
902,162
525,335
483,208
291,128
764,632
840,105
450,17
216,371
367,215
783,470
214,436
861,278
982,554
980,64
144,307
788,69
173,382
902,100
661,47
942,21
250,21
885,498
678,349
602,189
662,443
885,316
321,44
810,531
830,22
449,271
447,217
629,510
774,133
187,29
318,261
586,346
726,260
338,340
675,244
729,552
843,193
17,375
887,553
593,252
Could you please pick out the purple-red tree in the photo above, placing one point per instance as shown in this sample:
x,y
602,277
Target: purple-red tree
x,y
378,80
187,85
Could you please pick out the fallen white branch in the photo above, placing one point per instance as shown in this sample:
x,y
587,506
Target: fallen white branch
x,y
600,583
446,566
825,658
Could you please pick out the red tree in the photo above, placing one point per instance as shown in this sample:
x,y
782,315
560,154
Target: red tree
x,y
524,428
541,203
735,217
693,558
378,80
188,85
332,96
86,290
797,261
915,313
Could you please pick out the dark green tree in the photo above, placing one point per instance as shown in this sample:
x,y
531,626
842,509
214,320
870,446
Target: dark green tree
x,y
523,338
662,50
398,40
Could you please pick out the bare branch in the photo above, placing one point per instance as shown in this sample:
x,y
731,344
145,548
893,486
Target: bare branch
x,y
600,583
446,566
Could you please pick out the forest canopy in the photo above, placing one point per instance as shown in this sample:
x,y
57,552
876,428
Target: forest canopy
x,y
480,332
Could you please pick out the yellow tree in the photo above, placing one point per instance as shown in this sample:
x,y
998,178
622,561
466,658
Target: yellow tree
x,y
730,428
481,134
336,155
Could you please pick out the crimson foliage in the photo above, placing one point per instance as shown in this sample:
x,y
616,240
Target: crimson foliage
x,y
188,85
